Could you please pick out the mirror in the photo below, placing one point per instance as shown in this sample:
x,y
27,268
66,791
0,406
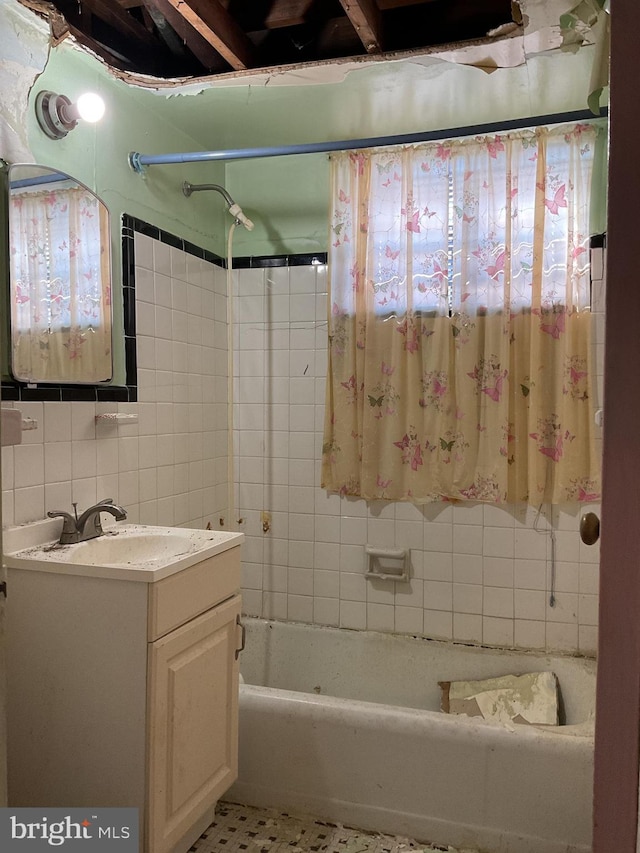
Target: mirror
x,y
60,279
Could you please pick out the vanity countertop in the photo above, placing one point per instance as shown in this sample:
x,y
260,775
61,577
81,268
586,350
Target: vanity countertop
x,y
134,552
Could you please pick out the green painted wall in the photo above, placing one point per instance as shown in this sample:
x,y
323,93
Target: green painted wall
x,y
97,154
288,197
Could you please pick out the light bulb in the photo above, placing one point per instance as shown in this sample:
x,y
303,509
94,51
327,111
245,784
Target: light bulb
x,y
90,107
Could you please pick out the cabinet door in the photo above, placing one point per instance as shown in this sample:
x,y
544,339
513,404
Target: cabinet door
x,y
193,722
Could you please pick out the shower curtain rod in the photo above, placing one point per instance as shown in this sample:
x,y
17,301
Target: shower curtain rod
x,y
138,161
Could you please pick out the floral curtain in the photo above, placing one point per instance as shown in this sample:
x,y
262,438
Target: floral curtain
x,y
459,323
60,272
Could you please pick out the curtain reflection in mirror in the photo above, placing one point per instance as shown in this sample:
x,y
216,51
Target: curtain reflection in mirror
x,y
61,285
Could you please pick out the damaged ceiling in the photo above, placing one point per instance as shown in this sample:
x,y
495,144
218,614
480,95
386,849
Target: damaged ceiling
x,y
194,38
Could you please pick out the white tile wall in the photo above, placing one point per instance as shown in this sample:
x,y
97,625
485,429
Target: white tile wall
x,y
171,467
481,573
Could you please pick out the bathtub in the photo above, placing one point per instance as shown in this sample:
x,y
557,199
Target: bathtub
x,y
345,725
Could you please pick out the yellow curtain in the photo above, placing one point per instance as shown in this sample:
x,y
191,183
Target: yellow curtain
x,y
459,322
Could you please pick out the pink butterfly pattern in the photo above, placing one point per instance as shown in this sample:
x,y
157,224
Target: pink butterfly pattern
x,y
452,371
497,268
411,450
351,387
495,147
435,386
411,332
583,490
576,377
413,222
489,377
554,204
21,294
552,321
551,437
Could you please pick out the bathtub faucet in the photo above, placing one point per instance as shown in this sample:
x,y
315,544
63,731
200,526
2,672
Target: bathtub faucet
x,y
88,525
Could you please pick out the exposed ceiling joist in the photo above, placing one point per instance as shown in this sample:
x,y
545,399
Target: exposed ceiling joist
x,y
121,21
367,22
287,13
189,38
196,43
338,38
216,25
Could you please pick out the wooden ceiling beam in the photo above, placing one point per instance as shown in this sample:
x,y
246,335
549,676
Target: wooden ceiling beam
x,y
199,46
338,38
287,13
118,18
216,26
367,21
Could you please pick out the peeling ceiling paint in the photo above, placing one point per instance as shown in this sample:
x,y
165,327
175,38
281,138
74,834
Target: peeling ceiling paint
x,y
23,57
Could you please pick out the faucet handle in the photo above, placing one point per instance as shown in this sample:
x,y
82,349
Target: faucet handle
x,y
69,525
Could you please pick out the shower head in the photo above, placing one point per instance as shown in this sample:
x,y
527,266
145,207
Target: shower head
x,y
234,209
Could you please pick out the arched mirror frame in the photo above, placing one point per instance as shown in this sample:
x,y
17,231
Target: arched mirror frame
x,y
122,287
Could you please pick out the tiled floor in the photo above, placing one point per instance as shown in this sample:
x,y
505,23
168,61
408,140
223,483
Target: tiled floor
x,y
244,829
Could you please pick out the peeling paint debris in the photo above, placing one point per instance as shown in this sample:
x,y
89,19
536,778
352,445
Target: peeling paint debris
x,y
531,698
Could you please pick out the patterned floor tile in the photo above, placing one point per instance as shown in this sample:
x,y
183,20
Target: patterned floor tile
x,y
244,829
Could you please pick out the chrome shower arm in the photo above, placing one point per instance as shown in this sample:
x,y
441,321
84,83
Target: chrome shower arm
x,y
188,188
234,209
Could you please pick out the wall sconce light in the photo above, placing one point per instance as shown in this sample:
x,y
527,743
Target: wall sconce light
x,y
57,115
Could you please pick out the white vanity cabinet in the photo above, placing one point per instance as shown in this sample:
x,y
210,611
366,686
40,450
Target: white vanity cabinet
x,y
123,691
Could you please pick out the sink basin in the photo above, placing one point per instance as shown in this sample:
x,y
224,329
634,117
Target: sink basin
x,y
132,549
135,552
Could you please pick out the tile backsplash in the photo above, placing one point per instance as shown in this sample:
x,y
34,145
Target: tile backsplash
x,y
170,467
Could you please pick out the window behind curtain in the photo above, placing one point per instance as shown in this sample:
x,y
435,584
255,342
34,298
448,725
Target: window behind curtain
x,y
459,327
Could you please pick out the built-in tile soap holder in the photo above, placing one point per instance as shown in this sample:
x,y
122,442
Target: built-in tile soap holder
x,y
387,564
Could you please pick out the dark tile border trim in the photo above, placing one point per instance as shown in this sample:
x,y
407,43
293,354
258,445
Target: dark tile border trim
x,y
133,224
262,261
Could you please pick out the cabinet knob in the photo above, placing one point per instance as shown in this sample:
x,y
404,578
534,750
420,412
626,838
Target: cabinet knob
x,y
590,528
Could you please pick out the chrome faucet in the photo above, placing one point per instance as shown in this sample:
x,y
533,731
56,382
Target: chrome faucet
x,y
88,525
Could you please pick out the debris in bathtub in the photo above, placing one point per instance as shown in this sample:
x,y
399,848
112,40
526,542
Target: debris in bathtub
x,y
530,699
317,689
